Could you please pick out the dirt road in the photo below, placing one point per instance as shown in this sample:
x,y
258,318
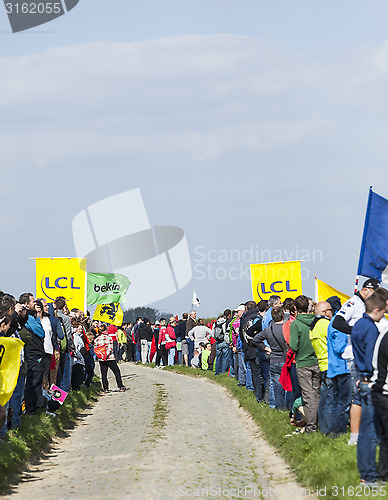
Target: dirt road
x,y
170,436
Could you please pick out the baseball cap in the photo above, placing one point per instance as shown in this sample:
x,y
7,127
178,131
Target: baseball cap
x,y
240,308
371,283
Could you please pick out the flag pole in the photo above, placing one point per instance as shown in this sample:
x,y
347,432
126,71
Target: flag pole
x,y
366,223
356,284
316,289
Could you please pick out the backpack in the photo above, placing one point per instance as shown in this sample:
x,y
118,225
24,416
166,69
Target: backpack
x,y
62,343
219,334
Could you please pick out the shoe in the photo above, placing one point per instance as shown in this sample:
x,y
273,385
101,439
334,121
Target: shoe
x,y
122,389
106,391
50,413
296,432
368,484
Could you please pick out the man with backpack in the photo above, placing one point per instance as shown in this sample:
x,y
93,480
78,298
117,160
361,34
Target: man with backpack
x,y
277,349
248,320
221,334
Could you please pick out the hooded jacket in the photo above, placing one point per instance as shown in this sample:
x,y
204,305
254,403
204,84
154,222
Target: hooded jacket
x,y
300,341
35,348
247,320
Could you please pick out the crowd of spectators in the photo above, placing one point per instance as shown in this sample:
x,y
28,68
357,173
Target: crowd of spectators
x,y
325,363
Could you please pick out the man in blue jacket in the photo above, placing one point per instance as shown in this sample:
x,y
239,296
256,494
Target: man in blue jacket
x,y
340,395
364,335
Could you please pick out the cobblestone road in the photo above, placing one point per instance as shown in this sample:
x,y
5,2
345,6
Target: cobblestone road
x,y
170,436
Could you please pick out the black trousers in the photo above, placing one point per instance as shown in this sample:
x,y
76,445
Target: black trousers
x,y
89,369
130,351
380,402
257,379
33,388
163,354
112,364
77,376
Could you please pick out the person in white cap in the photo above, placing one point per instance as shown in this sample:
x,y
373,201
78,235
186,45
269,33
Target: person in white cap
x,y
347,316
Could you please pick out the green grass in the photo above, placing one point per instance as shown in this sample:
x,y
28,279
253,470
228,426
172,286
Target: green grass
x,y
37,431
317,460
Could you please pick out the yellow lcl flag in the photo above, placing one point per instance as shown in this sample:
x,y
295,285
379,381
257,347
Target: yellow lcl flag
x,y
9,367
323,291
109,313
64,277
276,278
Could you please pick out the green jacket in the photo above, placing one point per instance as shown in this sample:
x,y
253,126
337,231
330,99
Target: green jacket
x,y
300,341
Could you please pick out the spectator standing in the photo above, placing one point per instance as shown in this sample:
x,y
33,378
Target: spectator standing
x,y
318,337
277,349
78,371
171,341
200,333
103,348
351,311
364,335
306,361
35,355
190,324
65,364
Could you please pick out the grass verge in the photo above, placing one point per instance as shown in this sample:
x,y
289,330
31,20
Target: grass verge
x,y
37,431
322,464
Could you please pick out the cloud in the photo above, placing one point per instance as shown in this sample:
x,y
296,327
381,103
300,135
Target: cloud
x,y
236,127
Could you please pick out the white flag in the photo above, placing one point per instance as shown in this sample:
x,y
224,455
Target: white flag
x,y
196,300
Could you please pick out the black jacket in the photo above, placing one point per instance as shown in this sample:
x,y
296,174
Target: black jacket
x,y
246,322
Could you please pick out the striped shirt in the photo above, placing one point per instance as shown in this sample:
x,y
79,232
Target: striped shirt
x,y
105,340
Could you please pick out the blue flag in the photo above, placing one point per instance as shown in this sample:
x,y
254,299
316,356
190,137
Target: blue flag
x,y
373,261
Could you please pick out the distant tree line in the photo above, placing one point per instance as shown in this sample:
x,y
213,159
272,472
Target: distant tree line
x,y
152,314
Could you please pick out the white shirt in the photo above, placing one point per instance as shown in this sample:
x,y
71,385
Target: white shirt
x,y
351,311
48,335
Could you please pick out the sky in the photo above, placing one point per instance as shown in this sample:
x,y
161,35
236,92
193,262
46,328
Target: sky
x,y
254,126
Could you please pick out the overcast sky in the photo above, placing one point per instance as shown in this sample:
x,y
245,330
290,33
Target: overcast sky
x,y
251,125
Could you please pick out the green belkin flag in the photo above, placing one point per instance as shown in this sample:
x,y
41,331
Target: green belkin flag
x,y
107,288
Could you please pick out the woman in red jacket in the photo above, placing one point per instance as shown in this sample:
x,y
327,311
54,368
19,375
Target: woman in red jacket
x,y
171,340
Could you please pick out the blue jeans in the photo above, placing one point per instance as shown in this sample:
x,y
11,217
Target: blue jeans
x,y
171,356
190,344
231,362
222,357
148,350
275,370
16,400
15,403
241,368
257,379
338,401
264,365
66,374
355,376
368,436
137,352
325,406
248,375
